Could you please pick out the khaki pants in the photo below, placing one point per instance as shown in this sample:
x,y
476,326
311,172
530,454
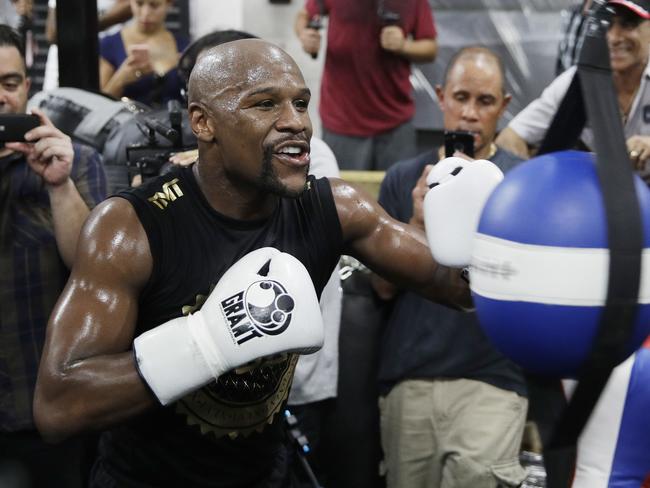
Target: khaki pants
x,y
452,434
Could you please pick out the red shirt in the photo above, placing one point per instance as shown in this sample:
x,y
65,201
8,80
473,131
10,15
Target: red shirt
x,y
366,90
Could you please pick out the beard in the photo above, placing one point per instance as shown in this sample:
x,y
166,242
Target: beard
x,y
270,181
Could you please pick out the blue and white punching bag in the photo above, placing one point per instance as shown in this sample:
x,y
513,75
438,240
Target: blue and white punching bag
x,y
540,263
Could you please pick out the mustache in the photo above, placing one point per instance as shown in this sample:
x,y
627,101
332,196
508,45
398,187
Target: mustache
x,y
268,146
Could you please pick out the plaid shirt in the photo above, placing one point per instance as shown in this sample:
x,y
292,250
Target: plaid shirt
x,y
32,274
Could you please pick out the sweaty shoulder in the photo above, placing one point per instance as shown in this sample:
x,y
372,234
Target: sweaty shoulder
x,y
113,240
359,213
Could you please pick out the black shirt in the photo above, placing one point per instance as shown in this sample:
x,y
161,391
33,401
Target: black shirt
x,y
229,433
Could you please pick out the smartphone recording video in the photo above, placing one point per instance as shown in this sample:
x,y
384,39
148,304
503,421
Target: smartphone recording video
x,y
13,127
459,140
140,52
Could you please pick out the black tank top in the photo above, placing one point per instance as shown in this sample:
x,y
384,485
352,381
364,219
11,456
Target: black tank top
x,y
229,433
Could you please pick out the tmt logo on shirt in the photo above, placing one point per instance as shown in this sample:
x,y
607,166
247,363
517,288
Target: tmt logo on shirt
x,y
170,192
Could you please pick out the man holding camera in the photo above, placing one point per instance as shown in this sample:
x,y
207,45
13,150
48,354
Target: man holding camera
x,y
453,408
47,185
366,105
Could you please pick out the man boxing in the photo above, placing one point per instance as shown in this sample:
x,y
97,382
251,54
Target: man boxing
x,y
246,218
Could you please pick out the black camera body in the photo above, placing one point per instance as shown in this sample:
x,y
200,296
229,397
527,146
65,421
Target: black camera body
x,y
147,161
151,158
13,127
387,16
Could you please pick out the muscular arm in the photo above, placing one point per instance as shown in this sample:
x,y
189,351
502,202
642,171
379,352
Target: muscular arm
x,y
385,289
87,377
398,252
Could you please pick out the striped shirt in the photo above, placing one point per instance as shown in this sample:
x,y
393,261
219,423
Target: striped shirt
x,y
32,274
574,28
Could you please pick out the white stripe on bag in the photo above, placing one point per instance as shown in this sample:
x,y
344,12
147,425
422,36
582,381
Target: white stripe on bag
x,y
507,270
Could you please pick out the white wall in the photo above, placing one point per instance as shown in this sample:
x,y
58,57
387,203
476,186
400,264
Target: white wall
x,y
273,22
210,15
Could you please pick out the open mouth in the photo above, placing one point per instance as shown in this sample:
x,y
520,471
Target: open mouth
x,y
293,154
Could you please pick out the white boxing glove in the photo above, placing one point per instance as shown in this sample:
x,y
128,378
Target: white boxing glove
x,y
452,207
264,304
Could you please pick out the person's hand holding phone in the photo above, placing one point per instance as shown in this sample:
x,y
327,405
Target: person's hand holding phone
x,y
310,39
138,61
48,151
13,127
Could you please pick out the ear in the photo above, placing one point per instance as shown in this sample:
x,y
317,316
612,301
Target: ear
x,y
440,93
201,123
506,100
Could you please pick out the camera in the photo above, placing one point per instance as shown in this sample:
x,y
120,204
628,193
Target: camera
x,y
13,127
131,137
386,15
150,158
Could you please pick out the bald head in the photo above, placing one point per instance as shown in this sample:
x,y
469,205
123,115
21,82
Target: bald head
x,y
235,66
248,102
479,56
473,96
